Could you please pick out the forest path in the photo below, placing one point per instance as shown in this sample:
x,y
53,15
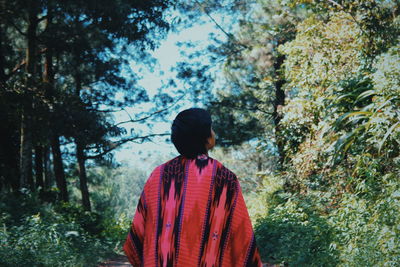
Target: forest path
x,y
122,261
118,261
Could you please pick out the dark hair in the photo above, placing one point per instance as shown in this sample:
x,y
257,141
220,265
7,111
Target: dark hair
x,y
190,130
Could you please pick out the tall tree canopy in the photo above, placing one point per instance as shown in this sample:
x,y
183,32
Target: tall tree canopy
x,y
64,68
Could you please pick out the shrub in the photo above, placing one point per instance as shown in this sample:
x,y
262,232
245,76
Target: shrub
x,y
296,236
55,235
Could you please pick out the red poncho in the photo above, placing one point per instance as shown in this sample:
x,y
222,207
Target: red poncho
x,y
192,213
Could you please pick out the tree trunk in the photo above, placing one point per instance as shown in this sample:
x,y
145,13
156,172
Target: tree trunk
x,y
59,168
9,143
259,163
278,104
48,177
80,154
9,146
48,72
2,60
82,176
26,176
48,80
9,161
39,167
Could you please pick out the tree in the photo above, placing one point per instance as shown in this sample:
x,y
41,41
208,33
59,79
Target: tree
x,y
73,47
249,101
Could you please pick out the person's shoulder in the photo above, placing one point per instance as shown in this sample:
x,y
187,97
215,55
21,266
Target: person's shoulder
x,y
155,174
222,170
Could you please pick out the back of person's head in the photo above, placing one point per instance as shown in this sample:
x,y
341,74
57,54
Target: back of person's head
x,y
190,131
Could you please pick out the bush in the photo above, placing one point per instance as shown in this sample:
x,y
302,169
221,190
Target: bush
x,y
367,225
296,236
55,235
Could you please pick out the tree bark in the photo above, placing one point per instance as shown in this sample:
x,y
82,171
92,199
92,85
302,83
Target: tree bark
x,y
58,167
259,163
80,154
82,176
279,103
48,80
39,167
26,176
2,59
48,176
9,146
9,143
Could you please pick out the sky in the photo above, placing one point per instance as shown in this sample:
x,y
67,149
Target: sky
x,y
149,154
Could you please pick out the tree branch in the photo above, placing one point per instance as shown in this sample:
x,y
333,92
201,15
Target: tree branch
x,y
20,65
42,18
213,20
106,110
229,35
124,141
16,27
150,115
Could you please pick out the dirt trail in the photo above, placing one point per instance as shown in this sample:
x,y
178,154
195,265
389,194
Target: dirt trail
x,y
119,261
122,261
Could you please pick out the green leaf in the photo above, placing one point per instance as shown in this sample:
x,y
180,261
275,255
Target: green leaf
x,y
361,114
365,95
394,126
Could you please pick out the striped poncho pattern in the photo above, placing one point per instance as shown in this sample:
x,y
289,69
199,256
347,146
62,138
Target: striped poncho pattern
x,y
191,213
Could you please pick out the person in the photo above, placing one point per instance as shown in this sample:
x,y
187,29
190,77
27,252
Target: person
x,y
191,211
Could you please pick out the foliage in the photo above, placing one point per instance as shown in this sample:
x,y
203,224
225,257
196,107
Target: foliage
x,y
39,234
65,69
311,102
294,234
116,188
332,198
366,222
322,52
